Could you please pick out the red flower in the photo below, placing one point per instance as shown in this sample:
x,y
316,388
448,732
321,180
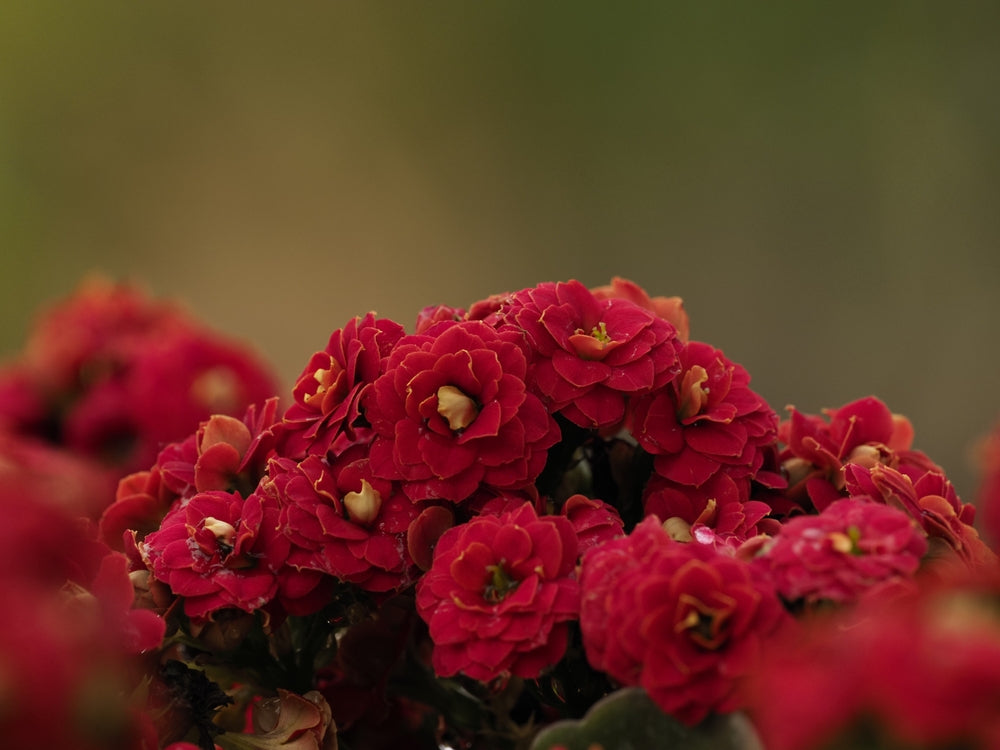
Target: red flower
x,y
224,454
684,621
721,505
590,354
931,501
218,551
594,521
670,309
500,594
111,375
452,414
853,545
328,393
706,420
863,432
180,381
921,670
343,521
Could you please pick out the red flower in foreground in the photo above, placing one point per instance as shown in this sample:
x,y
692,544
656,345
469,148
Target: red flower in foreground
x,y
452,414
684,621
706,420
590,353
500,594
922,670
853,545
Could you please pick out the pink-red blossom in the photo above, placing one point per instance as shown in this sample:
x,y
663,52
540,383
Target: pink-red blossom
x,y
500,594
854,545
326,411
590,354
684,621
818,447
343,521
706,420
452,414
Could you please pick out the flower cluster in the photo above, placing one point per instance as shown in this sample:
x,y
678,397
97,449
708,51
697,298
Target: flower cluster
x,y
503,522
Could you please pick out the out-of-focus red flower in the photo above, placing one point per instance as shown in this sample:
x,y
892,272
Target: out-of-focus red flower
x,y
343,521
110,375
327,396
500,594
861,432
66,652
177,383
452,414
921,670
853,545
591,354
684,621
41,472
704,421
670,309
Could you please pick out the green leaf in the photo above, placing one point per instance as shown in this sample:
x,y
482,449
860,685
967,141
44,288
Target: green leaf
x,y
629,720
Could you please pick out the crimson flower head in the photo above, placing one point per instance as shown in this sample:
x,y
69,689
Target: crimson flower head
x,y
721,506
327,395
705,420
863,432
670,309
931,501
684,621
590,354
343,521
853,545
218,551
500,594
452,414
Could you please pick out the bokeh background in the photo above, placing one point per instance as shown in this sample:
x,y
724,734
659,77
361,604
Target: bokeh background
x,y
819,182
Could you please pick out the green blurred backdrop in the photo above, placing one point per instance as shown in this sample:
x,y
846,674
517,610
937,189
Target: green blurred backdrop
x,y
820,182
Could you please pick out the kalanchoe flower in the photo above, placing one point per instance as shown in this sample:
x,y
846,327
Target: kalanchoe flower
x,y
684,621
225,454
921,670
670,309
721,505
706,420
343,521
932,502
862,432
500,594
110,375
594,521
219,551
590,354
328,393
852,546
452,414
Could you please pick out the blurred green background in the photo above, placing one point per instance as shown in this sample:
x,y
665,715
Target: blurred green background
x,y
820,182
